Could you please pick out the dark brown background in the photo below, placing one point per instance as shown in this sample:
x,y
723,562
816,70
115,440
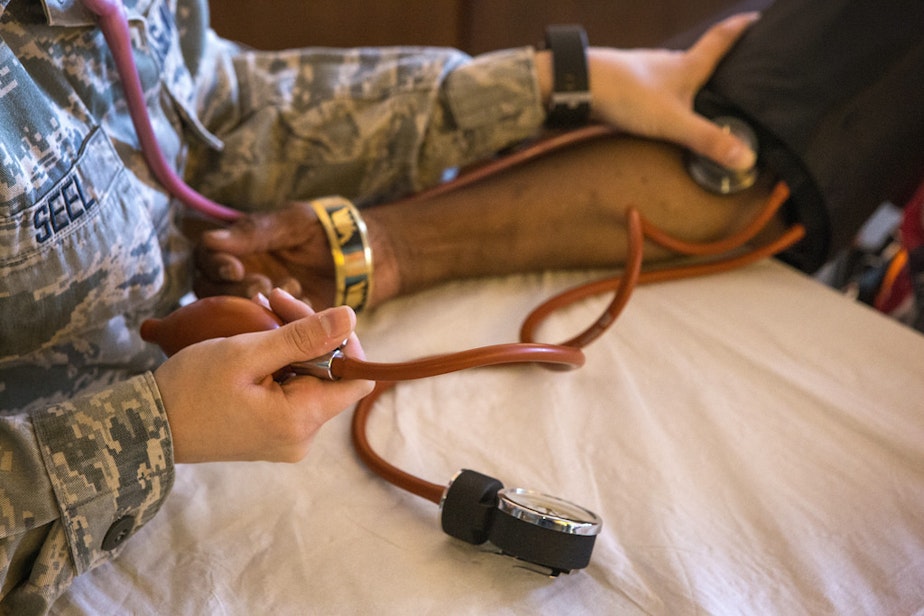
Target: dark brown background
x,y
471,25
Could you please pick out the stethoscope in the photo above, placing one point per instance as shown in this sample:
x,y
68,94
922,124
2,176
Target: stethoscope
x,y
537,528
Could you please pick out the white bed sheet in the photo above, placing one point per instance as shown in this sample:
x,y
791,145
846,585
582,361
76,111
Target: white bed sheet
x,y
753,442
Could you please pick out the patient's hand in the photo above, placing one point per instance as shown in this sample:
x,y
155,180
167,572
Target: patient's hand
x,y
287,249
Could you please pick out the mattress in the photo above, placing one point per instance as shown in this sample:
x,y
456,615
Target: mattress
x,y
752,441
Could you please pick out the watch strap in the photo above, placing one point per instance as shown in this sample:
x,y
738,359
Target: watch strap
x,y
569,104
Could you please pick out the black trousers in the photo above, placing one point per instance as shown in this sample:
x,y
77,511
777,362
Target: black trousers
x,y
835,91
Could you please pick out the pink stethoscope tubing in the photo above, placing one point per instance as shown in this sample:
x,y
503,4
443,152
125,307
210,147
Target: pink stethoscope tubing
x,y
113,22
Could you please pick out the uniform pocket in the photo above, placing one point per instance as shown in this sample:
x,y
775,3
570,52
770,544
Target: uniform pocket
x,y
83,253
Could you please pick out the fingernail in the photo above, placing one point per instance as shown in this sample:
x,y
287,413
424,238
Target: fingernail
x,y
283,292
262,300
219,234
739,156
328,322
332,320
226,272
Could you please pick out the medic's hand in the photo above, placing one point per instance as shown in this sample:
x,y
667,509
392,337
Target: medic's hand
x,y
649,92
223,403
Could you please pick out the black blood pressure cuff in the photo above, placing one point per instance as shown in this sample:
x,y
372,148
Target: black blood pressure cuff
x,y
835,93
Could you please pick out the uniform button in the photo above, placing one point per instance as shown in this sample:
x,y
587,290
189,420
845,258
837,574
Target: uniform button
x,y
118,532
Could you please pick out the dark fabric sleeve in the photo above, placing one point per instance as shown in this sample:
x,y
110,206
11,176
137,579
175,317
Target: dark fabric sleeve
x,y
835,91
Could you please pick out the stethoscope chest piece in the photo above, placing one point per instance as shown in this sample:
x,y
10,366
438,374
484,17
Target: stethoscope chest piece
x,y
530,526
718,179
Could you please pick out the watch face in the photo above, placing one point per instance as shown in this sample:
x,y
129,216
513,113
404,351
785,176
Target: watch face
x,y
548,512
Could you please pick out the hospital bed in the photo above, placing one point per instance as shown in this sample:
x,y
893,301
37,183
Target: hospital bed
x,y
752,441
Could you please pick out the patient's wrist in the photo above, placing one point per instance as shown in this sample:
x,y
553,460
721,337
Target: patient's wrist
x,y
387,270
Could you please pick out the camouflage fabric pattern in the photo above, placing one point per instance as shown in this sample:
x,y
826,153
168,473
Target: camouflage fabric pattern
x,y
125,482
89,242
366,124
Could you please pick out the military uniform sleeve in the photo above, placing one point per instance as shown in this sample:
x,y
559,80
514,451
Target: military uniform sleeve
x,y
78,479
368,123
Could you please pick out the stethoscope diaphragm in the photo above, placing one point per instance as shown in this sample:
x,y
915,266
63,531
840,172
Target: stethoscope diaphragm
x,y
719,179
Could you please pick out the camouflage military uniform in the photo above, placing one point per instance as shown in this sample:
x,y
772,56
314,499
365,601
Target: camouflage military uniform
x,y
89,243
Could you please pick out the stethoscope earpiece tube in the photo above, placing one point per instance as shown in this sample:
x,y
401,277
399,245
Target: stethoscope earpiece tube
x,y
112,20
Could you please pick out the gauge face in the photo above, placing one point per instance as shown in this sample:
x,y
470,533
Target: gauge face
x,y
548,511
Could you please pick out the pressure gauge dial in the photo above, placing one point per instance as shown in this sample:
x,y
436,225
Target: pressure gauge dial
x,y
548,512
531,526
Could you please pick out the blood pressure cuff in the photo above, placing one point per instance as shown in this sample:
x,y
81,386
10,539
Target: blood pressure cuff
x,y
835,92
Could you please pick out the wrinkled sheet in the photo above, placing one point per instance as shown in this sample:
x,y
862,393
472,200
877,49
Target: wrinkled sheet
x,y
753,441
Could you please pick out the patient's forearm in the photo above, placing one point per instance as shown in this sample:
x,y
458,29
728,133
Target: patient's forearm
x,y
566,210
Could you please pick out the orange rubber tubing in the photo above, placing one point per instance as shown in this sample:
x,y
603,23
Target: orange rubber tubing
x,y
527,350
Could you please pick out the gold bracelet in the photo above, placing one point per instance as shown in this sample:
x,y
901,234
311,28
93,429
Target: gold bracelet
x,y
349,245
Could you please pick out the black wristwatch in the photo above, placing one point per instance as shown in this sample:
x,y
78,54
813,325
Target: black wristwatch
x,y
569,104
